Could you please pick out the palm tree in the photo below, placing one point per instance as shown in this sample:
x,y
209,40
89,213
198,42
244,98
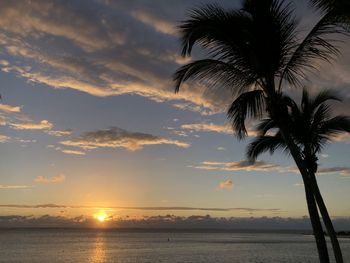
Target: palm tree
x,y
254,51
311,127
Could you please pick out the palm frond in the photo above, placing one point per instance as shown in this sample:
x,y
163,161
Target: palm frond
x,y
323,5
265,125
335,125
263,144
315,46
319,117
248,105
339,11
215,72
323,97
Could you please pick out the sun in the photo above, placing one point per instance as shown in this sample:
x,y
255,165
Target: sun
x,y
101,216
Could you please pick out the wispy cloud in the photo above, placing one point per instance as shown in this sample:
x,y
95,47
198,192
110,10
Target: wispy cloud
x,y
15,186
9,108
261,166
4,138
211,127
344,171
120,138
258,166
208,127
72,152
42,125
158,24
59,133
50,180
147,208
120,69
228,184
342,137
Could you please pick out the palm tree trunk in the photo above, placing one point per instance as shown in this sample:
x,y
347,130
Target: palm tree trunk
x,y
316,223
326,219
310,199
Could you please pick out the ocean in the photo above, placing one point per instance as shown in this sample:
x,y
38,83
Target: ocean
x,y
99,246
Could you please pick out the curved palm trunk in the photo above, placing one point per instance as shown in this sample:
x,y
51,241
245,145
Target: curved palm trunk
x,y
316,223
326,219
310,199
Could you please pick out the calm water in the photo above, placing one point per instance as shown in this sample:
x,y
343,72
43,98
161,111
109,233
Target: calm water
x,y
103,246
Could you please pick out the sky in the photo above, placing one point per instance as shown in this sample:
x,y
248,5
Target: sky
x,y
90,123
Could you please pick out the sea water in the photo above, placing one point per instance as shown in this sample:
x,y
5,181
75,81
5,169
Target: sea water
x,y
97,246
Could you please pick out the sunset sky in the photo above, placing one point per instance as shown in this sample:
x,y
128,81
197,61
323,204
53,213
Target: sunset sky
x,y
90,122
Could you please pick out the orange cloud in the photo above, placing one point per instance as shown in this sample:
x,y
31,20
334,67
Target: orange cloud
x,y
211,127
9,108
208,127
72,152
42,125
50,180
228,184
158,24
15,186
4,138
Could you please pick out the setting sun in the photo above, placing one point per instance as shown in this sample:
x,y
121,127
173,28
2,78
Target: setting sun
x,y
101,216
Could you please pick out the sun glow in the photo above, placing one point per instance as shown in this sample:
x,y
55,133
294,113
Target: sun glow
x,y
101,216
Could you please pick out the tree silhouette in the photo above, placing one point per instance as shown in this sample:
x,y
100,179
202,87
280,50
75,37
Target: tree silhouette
x,y
254,51
311,127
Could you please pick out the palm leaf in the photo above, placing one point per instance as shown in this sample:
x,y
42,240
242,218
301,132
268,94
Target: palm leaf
x,y
322,97
339,11
315,46
248,105
335,125
265,125
264,144
214,72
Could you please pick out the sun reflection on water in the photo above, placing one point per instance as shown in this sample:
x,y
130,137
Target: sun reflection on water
x,y
98,253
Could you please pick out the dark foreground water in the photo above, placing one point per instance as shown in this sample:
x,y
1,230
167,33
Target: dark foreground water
x,y
54,245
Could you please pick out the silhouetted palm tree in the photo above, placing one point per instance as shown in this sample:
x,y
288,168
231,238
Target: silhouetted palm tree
x,y
311,127
254,51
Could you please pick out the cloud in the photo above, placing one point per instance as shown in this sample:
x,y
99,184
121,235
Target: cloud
x,y
42,125
65,45
119,138
158,24
147,208
258,166
110,48
9,108
58,133
4,138
173,222
228,184
72,152
261,166
211,127
208,127
15,186
342,137
50,180
46,17
344,171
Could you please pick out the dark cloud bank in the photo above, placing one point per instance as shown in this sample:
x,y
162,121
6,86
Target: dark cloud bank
x,y
194,222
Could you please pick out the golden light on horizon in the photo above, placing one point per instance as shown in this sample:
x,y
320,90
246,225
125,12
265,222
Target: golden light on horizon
x,y
101,216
